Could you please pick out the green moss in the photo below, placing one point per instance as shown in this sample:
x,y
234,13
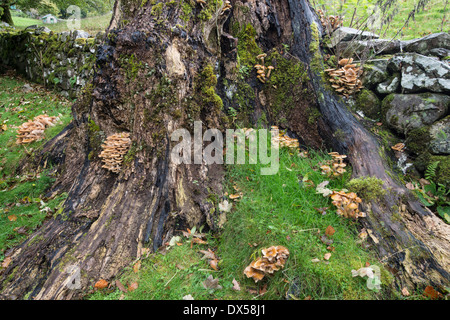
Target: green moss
x,y
247,47
286,84
314,48
131,66
157,9
186,8
367,188
418,140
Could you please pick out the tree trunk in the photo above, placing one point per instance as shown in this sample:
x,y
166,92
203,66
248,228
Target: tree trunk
x,y
154,74
6,16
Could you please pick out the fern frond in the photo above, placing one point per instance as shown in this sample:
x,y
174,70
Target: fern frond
x,y
430,172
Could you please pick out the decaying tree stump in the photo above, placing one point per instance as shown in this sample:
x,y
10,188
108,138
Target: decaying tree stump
x,y
155,73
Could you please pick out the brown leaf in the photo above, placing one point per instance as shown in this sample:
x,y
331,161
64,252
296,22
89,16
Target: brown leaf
x,y
133,286
431,293
213,263
405,292
263,290
330,231
6,262
198,240
208,254
101,284
211,283
136,267
121,286
12,217
236,285
21,230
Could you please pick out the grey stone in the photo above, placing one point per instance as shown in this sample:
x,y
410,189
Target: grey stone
x,y
77,34
405,112
368,103
440,133
440,52
427,43
348,34
374,73
423,45
391,85
420,73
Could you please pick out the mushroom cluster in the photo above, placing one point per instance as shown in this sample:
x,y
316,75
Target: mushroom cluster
x,y
261,69
272,260
347,204
33,130
345,80
113,151
400,147
226,7
330,23
286,141
334,167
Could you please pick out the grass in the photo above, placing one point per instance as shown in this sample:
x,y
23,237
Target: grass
x,y
426,22
92,25
21,209
274,210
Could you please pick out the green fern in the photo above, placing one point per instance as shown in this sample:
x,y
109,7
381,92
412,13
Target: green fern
x,y
430,172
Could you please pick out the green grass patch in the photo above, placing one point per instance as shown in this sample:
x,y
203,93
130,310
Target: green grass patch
x,y
427,21
23,206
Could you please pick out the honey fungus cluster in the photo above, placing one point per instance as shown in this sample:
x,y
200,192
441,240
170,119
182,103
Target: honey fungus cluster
x,y
113,151
34,130
272,260
346,78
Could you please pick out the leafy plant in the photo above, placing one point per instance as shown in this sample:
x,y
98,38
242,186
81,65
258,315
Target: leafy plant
x,y
435,195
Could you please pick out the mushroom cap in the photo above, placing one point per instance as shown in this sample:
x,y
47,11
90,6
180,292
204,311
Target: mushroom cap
x,y
262,55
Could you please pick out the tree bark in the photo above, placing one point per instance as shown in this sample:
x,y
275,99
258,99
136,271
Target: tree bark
x,y
6,16
152,77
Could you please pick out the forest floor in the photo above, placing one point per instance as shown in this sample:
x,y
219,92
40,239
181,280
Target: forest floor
x,y
280,210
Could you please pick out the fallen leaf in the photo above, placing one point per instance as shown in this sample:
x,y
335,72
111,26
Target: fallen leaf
x,y
326,240
133,286
208,254
213,264
121,286
308,298
330,231
263,290
198,240
101,284
21,230
327,256
236,285
211,283
6,262
315,260
405,292
431,293
322,210
188,297
234,196
136,267
174,241
225,206
12,218
410,186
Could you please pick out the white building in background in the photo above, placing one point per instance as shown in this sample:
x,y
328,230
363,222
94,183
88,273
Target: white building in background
x,y
49,18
